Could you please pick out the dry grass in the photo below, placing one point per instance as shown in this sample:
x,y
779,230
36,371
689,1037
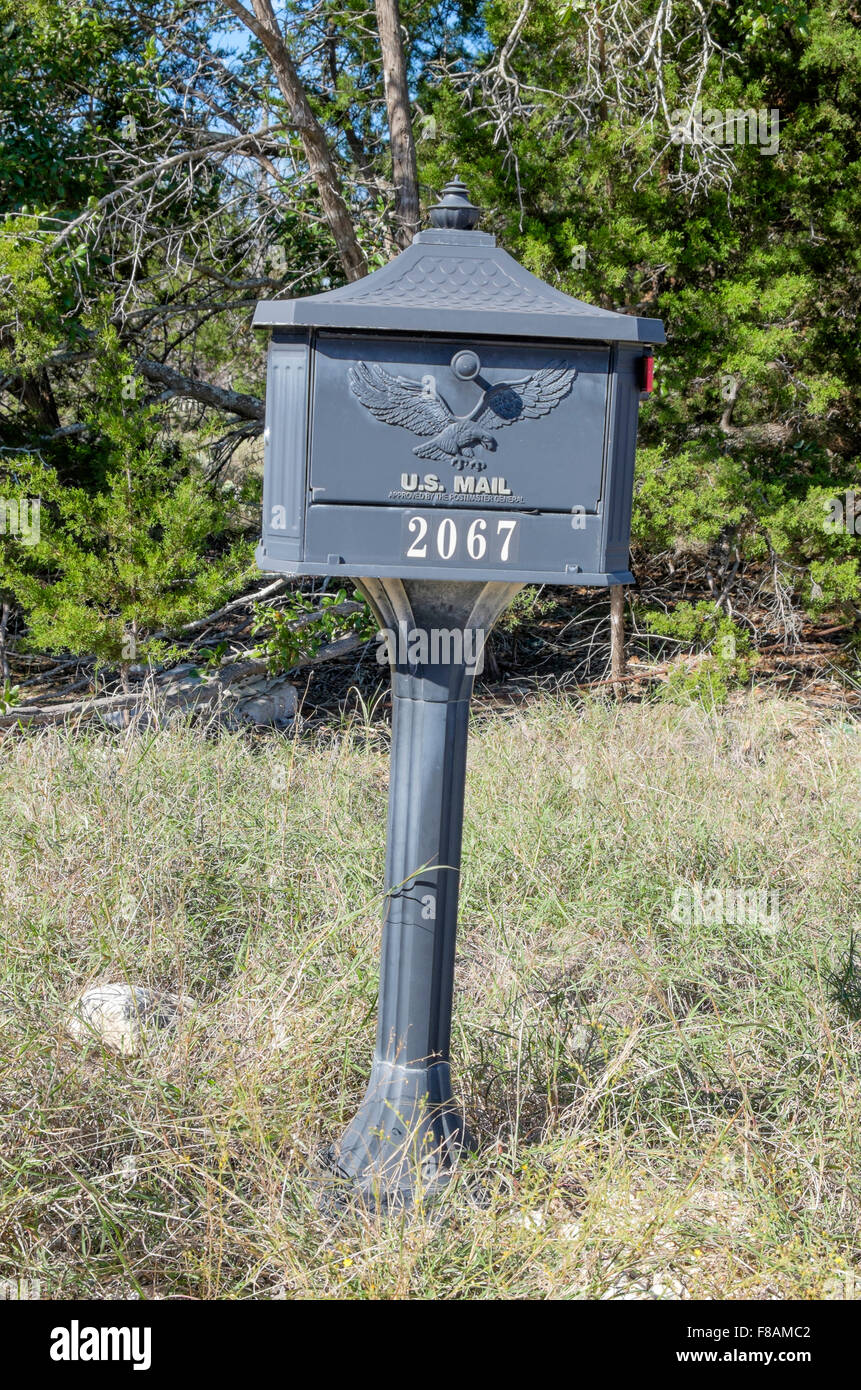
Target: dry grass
x,y
662,1110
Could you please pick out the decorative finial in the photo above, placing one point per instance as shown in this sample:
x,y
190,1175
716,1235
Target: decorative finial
x,y
454,211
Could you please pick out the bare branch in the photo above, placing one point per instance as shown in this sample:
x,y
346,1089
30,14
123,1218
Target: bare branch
x,y
248,407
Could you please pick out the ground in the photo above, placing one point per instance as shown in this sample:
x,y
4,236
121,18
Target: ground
x,y
662,1108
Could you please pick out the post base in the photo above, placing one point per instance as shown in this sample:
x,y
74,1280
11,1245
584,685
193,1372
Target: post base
x,y
401,1148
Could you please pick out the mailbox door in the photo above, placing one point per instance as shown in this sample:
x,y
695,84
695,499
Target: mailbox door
x,y
458,423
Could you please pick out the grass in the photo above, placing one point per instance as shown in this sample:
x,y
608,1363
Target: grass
x,y
661,1109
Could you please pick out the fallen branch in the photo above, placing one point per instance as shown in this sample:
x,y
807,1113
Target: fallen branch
x,y
52,671
691,661
54,714
205,693
304,620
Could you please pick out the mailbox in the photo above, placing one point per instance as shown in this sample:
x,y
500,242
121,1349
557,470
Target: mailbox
x,y
446,430
451,417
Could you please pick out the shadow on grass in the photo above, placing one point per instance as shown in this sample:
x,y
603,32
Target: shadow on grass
x,y
844,984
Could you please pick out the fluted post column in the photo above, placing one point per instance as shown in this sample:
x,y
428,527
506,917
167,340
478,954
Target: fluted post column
x,y
407,1133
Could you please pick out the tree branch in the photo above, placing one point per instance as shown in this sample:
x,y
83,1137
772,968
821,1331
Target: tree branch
x,y
248,407
264,26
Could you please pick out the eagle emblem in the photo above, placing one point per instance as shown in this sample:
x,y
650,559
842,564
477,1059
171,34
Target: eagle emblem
x,y
416,406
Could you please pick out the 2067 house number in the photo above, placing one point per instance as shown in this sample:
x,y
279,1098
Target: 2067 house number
x,y
460,538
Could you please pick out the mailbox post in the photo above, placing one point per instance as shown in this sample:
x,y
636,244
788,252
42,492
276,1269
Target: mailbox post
x,y
444,431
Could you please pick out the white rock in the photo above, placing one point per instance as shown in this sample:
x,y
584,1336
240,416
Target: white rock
x,y
581,1035
136,717
276,704
531,1220
119,1015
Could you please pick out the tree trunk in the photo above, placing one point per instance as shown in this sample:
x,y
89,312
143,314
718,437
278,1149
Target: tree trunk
x,y
33,390
263,24
38,398
617,638
402,144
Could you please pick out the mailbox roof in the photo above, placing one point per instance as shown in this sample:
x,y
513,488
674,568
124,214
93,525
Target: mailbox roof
x,y
457,282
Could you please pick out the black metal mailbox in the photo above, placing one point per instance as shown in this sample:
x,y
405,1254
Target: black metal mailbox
x,y
445,430
451,417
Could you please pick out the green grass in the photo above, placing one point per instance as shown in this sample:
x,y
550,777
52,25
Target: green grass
x,y
658,1107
